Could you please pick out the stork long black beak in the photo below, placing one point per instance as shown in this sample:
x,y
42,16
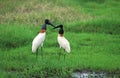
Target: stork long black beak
x,y
51,24
56,27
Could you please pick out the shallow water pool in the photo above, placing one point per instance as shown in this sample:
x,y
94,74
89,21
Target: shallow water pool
x,y
94,75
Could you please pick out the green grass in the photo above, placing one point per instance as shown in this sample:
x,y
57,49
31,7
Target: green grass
x,y
91,51
91,26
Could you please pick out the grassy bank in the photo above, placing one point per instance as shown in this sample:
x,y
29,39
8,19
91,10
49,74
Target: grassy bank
x,y
90,51
91,26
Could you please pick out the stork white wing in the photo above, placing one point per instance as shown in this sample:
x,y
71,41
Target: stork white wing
x,y
64,43
38,41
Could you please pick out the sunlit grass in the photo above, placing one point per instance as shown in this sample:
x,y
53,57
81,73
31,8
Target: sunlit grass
x,y
32,12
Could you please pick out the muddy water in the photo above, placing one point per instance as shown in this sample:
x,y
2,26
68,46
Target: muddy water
x,y
94,75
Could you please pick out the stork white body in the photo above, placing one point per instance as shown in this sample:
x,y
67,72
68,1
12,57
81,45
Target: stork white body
x,y
38,41
64,43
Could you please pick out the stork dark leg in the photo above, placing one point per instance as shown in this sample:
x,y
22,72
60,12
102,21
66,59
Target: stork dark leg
x,y
37,53
59,54
64,54
42,52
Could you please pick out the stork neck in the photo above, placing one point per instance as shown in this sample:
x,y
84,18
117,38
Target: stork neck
x,y
44,26
42,31
61,35
61,31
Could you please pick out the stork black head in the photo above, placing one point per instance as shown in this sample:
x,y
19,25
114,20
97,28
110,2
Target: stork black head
x,y
61,31
48,22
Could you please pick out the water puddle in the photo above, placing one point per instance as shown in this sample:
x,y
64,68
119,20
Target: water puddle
x,y
94,75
